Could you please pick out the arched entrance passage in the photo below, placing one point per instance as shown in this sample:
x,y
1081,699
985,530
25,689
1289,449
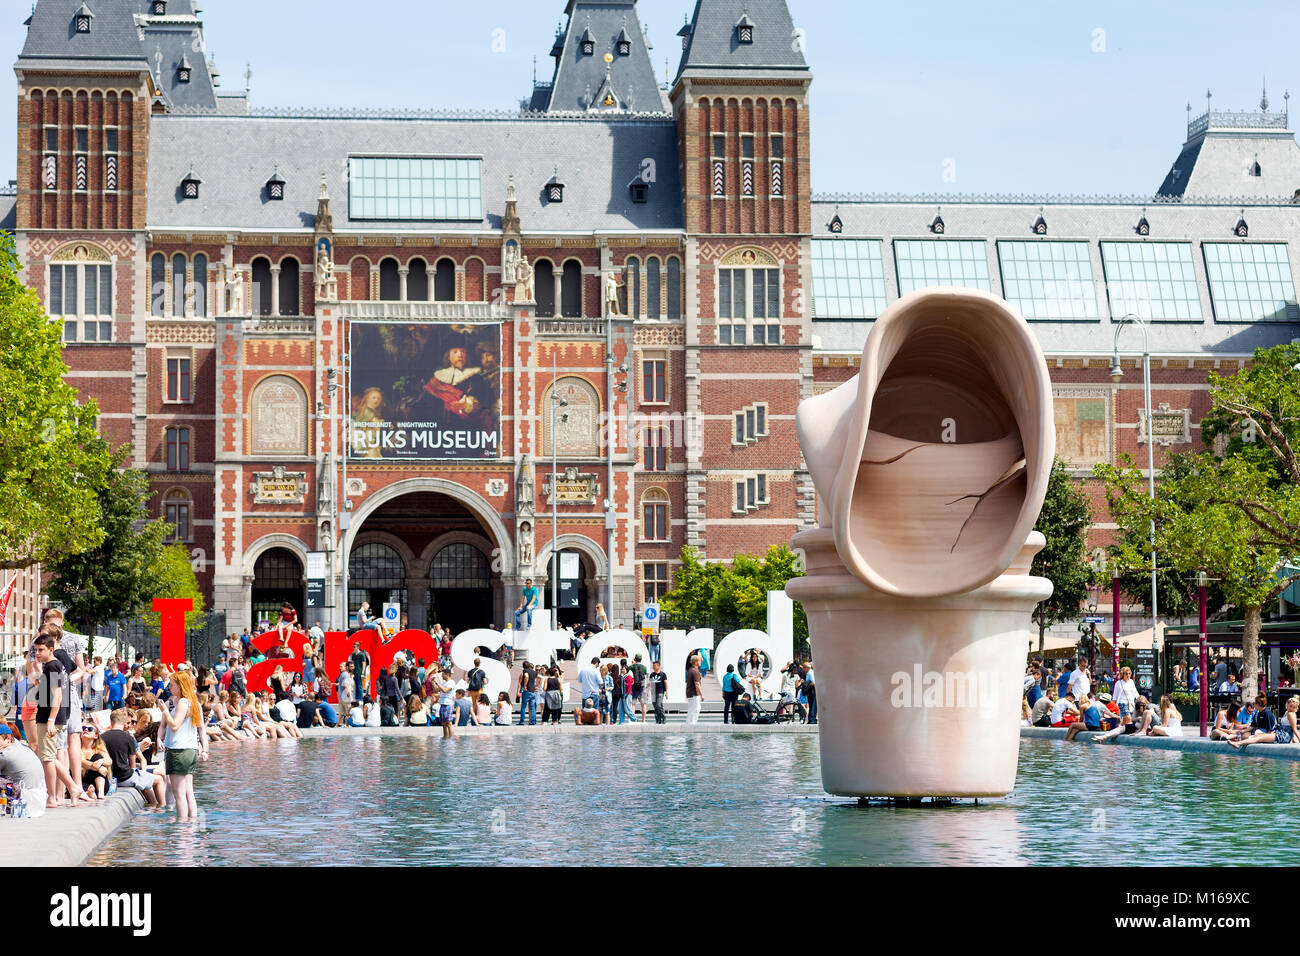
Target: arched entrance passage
x,y
277,577
578,601
420,520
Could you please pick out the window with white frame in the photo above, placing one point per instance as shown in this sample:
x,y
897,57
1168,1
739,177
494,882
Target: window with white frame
x,y
80,293
654,515
177,509
178,378
751,424
654,381
749,306
751,493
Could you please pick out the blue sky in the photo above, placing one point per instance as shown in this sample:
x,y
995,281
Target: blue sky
x,y
998,96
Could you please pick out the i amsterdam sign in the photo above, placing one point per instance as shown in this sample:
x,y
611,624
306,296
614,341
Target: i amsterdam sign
x,y
571,488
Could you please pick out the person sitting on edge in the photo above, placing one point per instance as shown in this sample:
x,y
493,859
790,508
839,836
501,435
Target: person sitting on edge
x,y
326,715
1064,712
129,768
356,715
1245,720
1224,722
463,708
1091,715
527,601
1284,730
742,711
588,714
1171,722
1040,715
1137,723
374,716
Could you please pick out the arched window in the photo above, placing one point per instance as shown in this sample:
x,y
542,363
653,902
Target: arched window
x,y
376,574
634,287
654,515
158,284
80,291
390,282
571,290
200,286
359,283
417,281
277,577
652,289
460,565
444,281
176,512
278,417
261,286
178,449
544,286
674,288
289,286
178,286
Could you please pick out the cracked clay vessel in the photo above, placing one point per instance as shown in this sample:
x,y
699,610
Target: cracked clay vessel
x,y
931,467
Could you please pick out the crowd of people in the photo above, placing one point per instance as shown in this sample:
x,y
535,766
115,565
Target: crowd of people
x,y
1072,698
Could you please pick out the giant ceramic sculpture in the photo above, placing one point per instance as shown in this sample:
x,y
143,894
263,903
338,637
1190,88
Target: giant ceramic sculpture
x,y
931,467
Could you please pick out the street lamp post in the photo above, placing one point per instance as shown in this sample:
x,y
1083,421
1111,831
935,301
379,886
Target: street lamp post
x,y
556,404
1202,580
1116,375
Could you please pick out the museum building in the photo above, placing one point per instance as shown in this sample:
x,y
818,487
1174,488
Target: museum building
x,y
434,355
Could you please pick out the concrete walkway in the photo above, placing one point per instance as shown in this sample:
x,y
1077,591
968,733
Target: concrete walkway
x,y
1193,744
66,837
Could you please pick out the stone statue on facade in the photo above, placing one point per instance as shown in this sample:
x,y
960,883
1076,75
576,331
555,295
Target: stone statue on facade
x,y
524,286
326,283
524,488
525,544
510,265
611,294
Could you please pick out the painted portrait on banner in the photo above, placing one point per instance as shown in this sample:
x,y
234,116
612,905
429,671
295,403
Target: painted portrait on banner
x,y
1082,425
429,391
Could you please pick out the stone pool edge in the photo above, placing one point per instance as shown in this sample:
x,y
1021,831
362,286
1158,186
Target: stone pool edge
x,y
66,837
1195,744
569,728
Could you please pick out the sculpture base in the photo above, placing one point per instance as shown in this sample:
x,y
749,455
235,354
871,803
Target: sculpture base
x,y
916,697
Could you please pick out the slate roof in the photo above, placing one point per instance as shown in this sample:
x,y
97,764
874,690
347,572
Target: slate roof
x,y
124,36
596,159
712,44
579,78
8,212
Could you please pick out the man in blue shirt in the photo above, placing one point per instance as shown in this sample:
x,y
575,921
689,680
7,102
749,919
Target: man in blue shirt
x,y
115,687
328,716
1063,682
1035,689
589,678
527,602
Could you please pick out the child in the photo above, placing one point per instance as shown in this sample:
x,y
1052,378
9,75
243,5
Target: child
x,y
287,623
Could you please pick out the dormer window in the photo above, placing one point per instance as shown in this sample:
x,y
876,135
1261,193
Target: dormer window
x,y
640,190
1255,169
836,225
555,189
745,30
190,185
588,43
81,19
685,34
937,227
183,70
623,44
1040,226
1143,227
1241,230
158,8
275,186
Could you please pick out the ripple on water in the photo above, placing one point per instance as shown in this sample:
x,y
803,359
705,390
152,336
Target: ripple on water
x,y
694,800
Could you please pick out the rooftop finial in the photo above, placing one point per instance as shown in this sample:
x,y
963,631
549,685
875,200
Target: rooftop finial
x,y
1263,99
1208,96
248,78
324,187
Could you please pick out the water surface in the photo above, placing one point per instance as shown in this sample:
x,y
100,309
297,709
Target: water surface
x,y
697,799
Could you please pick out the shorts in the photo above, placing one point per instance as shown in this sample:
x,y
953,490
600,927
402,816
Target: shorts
x,y
445,713
181,762
29,710
74,714
139,779
1131,728
1124,710
48,744
636,692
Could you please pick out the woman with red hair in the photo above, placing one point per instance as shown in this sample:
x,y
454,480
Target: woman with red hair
x,y
185,742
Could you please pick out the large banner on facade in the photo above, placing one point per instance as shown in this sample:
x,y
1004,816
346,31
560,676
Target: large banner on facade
x,y
425,391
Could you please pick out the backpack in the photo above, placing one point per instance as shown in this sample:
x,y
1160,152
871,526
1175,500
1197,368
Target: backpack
x,y
476,679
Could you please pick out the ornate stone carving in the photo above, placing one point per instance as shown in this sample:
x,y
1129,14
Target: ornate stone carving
x,y
611,294
524,487
525,538
279,487
279,417
572,488
1083,427
524,290
577,430
1171,426
327,285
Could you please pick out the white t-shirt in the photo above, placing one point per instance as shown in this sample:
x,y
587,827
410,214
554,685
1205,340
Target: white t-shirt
x,y
355,715
1058,710
1080,684
286,711
1125,692
503,719
372,718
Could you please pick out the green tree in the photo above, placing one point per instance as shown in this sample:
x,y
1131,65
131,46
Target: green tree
x,y
735,593
172,576
116,579
52,461
1064,522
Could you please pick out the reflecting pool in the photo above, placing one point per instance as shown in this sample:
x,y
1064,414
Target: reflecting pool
x,y
696,799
